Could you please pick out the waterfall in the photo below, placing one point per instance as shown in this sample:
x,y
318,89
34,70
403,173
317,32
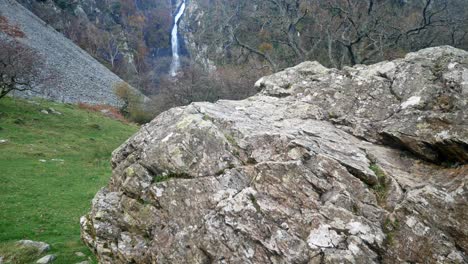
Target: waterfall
x,y
175,65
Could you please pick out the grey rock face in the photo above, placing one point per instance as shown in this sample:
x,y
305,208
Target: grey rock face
x,y
40,246
71,75
361,165
46,259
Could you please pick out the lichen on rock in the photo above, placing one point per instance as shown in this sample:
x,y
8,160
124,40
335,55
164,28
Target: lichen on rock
x,y
322,166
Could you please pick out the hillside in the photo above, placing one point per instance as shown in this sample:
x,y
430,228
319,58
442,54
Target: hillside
x,y
240,38
70,74
50,167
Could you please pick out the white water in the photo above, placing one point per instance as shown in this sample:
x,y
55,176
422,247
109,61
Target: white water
x,y
175,65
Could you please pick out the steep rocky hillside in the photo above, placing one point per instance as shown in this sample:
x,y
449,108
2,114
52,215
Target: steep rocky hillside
x,y
282,33
254,36
361,165
132,38
70,74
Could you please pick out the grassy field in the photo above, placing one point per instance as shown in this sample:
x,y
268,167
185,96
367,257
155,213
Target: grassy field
x,y
50,168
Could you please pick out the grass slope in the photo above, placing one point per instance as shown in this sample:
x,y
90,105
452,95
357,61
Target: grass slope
x,y
44,200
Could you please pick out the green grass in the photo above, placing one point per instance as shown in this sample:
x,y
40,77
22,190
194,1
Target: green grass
x,y
43,201
381,188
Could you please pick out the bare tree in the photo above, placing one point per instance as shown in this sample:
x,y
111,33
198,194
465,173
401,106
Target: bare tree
x,y
111,47
344,32
19,66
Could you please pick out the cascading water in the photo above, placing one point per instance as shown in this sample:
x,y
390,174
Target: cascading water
x,y
175,65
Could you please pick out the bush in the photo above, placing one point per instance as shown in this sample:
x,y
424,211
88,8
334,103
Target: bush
x,y
106,110
196,85
133,107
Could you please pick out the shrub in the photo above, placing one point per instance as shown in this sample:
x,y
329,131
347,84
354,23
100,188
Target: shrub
x,y
11,30
106,110
133,107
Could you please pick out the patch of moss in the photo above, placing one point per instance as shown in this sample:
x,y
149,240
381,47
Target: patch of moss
x,y
16,254
378,171
381,188
90,228
230,139
207,117
390,228
356,209
287,86
161,178
255,204
166,177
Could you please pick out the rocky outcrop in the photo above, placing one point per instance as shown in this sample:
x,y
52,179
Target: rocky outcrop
x,y
361,165
201,48
70,74
41,247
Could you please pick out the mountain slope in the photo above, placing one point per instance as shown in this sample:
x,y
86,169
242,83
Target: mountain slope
x,y
72,74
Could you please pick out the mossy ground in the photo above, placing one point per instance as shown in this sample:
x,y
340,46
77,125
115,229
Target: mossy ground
x,y
50,169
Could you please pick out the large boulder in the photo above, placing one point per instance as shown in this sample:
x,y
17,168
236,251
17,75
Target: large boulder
x,y
362,165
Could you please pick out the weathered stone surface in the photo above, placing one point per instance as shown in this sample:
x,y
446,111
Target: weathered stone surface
x,y
46,259
40,246
361,165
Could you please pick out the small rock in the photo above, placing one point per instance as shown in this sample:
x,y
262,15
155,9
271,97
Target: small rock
x,y
453,256
80,254
3,141
53,111
58,160
84,262
43,160
45,112
46,259
41,246
1,260
33,102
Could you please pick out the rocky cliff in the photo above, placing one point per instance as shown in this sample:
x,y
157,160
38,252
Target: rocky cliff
x,y
361,165
70,74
